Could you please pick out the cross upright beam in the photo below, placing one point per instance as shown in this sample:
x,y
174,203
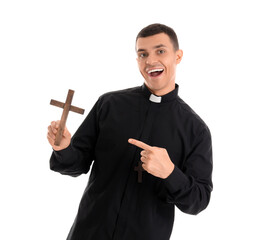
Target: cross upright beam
x,y
66,108
139,169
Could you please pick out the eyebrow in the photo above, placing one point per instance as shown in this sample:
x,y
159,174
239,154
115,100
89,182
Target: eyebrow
x,y
157,46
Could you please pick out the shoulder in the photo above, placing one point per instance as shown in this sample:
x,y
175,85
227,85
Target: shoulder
x,y
120,94
191,118
117,93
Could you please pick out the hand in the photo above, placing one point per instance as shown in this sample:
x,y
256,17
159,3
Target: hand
x,y
51,135
155,160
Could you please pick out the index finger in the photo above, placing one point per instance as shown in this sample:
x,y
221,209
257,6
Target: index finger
x,y
139,144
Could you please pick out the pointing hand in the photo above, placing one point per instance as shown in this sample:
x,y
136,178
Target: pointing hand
x,y
155,160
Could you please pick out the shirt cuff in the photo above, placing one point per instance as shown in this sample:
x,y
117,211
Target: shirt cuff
x,y
176,180
64,155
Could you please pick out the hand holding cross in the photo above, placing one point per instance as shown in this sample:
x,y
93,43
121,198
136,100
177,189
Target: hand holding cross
x,y
155,160
58,135
51,136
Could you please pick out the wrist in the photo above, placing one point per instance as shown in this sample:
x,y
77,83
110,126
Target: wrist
x,y
169,171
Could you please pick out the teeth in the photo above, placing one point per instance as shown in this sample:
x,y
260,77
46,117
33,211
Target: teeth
x,y
155,70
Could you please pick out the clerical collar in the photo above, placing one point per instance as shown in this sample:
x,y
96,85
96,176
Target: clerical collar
x,y
154,98
160,99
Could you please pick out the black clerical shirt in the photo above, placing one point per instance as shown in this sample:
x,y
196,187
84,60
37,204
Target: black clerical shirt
x,y
114,205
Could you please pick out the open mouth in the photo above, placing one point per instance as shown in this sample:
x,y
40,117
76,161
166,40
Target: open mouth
x,y
155,72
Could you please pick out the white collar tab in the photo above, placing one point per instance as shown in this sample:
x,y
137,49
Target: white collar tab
x,y
154,98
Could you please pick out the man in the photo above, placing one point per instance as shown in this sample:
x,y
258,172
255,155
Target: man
x,y
150,152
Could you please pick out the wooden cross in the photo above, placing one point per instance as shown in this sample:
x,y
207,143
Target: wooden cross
x,y
66,108
139,169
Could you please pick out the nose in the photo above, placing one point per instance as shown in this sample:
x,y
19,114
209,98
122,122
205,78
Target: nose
x,y
151,59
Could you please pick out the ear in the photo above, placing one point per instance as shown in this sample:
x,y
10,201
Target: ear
x,y
179,55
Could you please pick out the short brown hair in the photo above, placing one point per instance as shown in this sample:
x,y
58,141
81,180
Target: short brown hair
x,y
157,28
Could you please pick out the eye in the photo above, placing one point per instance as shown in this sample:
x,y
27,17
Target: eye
x,y
161,51
142,55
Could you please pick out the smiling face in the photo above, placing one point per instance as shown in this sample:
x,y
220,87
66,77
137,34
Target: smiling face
x,y
157,60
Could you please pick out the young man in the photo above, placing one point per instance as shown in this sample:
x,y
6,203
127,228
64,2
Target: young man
x,y
150,150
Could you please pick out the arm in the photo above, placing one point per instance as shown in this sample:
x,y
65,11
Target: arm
x,y
189,188
77,157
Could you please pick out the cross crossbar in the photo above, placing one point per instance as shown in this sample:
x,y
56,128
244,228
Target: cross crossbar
x,y
72,108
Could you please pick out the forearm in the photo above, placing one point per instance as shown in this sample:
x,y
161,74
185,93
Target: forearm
x,y
68,161
187,193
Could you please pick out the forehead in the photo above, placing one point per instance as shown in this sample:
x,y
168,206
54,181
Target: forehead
x,y
149,43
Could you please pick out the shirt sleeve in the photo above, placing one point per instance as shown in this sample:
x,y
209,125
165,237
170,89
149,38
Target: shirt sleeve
x,y
78,156
190,188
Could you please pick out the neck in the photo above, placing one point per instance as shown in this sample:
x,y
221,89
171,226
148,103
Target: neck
x,y
162,91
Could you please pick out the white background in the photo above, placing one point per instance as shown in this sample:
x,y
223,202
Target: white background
x,y
48,47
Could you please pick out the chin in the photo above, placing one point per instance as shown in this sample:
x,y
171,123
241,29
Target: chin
x,y
155,89
155,84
